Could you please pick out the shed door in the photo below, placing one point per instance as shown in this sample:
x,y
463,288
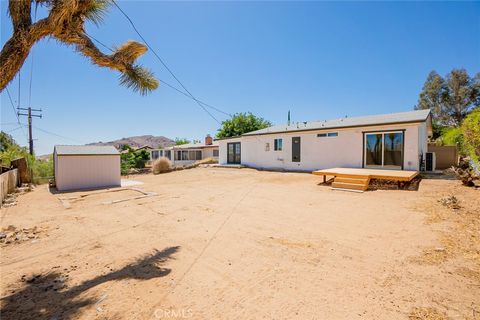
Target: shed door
x,y
296,149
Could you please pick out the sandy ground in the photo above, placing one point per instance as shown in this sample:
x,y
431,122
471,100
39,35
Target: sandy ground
x,y
219,243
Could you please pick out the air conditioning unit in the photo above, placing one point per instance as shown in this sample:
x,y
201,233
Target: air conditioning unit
x,y
430,161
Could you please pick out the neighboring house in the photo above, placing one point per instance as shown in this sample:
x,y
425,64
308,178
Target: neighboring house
x,y
147,148
388,141
86,167
188,153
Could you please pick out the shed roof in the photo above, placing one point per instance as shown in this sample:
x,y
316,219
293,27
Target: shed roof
x,y
85,150
379,119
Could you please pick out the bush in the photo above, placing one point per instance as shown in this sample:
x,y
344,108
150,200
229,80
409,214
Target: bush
x,y
471,136
162,165
451,137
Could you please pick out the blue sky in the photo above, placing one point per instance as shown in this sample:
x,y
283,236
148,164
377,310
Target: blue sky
x,y
321,60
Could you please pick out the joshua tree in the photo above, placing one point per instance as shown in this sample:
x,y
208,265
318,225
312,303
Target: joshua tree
x,y
65,23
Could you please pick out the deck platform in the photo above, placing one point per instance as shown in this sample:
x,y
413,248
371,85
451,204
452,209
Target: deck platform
x,y
385,174
359,179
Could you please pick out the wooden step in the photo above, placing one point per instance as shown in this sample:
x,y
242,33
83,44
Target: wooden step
x,y
352,186
352,180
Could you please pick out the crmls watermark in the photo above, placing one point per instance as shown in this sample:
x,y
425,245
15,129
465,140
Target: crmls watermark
x,y
173,314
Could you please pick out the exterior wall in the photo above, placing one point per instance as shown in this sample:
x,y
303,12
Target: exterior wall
x,y
446,156
422,140
207,152
345,150
8,182
86,171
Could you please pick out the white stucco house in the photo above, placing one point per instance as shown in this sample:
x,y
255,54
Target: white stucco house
x,y
387,141
185,154
86,167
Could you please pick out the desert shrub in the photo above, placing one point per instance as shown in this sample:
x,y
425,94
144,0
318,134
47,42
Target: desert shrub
x,y
162,165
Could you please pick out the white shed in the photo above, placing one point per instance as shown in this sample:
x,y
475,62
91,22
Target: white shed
x,y
86,167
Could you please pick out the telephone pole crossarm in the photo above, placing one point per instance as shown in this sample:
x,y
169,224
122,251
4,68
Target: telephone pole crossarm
x,y
29,116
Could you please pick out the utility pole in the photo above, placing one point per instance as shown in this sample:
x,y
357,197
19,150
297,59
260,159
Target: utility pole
x,y
29,115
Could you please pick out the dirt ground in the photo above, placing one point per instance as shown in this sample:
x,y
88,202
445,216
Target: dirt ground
x,y
216,243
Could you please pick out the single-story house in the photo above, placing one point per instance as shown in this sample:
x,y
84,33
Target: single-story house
x,y
86,167
185,154
387,141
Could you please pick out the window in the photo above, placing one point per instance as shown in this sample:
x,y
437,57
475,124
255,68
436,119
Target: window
x,y
191,155
155,154
184,155
278,144
198,155
329,134
215,152
384,149
168,154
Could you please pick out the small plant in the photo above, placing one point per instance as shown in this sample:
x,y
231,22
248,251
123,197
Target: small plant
x,y
450,202
162,165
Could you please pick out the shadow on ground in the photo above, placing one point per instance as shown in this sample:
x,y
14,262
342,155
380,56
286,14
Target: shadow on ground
x,y
47,297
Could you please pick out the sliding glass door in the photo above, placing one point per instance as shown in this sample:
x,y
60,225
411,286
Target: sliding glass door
x,y
384,149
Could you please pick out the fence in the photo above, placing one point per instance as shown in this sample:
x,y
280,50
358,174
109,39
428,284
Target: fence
x,y
8,183
446,156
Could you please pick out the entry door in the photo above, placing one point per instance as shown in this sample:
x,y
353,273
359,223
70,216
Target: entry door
x,y
384,149
234,153
295,149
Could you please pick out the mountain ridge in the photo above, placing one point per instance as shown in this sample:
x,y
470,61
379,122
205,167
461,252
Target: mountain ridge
x,y
137,142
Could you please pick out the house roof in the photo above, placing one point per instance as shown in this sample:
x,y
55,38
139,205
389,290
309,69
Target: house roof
x,y
85,150
195,145
390,118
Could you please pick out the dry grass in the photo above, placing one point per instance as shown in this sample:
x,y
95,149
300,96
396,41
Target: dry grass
x,y
461,238
426,314
207,161
162,165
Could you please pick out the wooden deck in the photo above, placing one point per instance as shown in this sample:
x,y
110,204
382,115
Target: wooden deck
x,y
396,175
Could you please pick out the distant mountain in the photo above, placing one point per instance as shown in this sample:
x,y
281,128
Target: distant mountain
x,y
138,141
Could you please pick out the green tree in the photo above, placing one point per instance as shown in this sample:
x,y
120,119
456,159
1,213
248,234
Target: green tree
x,y
6,141
180,141
471,135
432,95
241,123
65,22
450,99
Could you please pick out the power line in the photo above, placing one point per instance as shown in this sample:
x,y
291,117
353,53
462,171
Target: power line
x,y
164,82
162,62
20,127
56,134
13,105
15,111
